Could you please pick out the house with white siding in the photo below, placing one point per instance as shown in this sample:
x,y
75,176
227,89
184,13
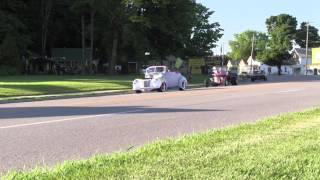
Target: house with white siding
x,y
298,64
300,57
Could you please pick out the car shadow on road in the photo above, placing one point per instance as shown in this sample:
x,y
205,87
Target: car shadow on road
x,y
61,111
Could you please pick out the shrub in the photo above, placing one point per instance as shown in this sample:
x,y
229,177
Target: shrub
x,y
9,70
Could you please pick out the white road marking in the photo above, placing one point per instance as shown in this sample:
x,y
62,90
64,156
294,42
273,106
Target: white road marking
x,y
67,119
290,91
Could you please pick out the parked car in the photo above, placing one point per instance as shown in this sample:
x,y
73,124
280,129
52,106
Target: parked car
x,y
257,75
160,78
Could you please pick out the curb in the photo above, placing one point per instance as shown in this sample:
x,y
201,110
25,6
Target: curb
x,y
18,99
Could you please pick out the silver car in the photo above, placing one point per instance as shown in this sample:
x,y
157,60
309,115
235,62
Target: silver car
x,y
160,78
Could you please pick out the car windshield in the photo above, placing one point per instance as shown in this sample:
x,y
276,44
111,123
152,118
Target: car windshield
x,y
150,70
155,69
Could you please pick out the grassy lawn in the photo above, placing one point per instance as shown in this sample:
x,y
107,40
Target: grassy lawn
x,y
39,85
284,147
198,79
11,86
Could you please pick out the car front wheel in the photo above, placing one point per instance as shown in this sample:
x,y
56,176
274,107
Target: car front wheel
x,y
163,87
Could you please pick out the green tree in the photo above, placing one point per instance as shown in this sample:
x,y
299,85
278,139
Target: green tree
x,y
282,31
114,18
14,38
51,25
241,47
314,38
87,8
204,34
80,7
46,11
167,24
115,30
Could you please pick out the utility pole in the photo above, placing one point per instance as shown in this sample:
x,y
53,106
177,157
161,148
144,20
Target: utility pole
x,y
307,46
222,55
252,48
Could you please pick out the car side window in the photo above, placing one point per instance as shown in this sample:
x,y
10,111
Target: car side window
x,y
159,69
150,70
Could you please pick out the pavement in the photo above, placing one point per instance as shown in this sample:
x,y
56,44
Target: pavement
x,y
44,133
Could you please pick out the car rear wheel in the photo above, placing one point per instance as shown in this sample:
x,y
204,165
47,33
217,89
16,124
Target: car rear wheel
x,y
138,91
183,86
226,82
234,81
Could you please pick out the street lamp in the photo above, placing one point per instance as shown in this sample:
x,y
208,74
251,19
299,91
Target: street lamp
x,y
147,53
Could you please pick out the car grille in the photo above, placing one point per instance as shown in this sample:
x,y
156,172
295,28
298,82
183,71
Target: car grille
x,y
146,83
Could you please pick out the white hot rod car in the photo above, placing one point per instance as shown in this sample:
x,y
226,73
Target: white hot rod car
x,y
159,78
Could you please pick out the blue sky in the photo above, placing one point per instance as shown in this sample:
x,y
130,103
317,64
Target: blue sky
x,y
236,16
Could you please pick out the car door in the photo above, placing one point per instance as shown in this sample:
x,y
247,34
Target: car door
x,y
172,79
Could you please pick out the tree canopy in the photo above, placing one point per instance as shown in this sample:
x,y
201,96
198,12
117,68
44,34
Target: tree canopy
x,y
242,45
314,38
282,32
114,30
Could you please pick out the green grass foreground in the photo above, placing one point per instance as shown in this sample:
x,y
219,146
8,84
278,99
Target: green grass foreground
x,y
284,147
13,86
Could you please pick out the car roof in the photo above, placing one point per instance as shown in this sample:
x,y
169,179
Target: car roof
x,y
157,66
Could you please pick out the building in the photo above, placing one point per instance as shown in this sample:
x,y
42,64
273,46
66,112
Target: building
x,y
315,65
36,65
69,60
296,65
269,70
249,65
301,60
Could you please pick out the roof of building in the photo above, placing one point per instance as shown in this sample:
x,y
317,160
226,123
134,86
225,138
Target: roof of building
x,y
302,52
253,61
69,54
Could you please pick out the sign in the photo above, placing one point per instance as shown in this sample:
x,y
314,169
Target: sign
x,y
196,65
316,56
178,64
118,68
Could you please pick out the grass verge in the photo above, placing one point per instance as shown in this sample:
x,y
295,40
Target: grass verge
x,y
11,86
283,147
15,86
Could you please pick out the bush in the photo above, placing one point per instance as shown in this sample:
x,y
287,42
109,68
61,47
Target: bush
x,y
9,70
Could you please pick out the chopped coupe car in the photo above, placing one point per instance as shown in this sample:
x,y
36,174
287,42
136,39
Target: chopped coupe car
x,y
258,75
159,78
221,77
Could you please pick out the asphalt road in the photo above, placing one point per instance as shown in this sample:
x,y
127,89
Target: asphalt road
x,y
50,132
